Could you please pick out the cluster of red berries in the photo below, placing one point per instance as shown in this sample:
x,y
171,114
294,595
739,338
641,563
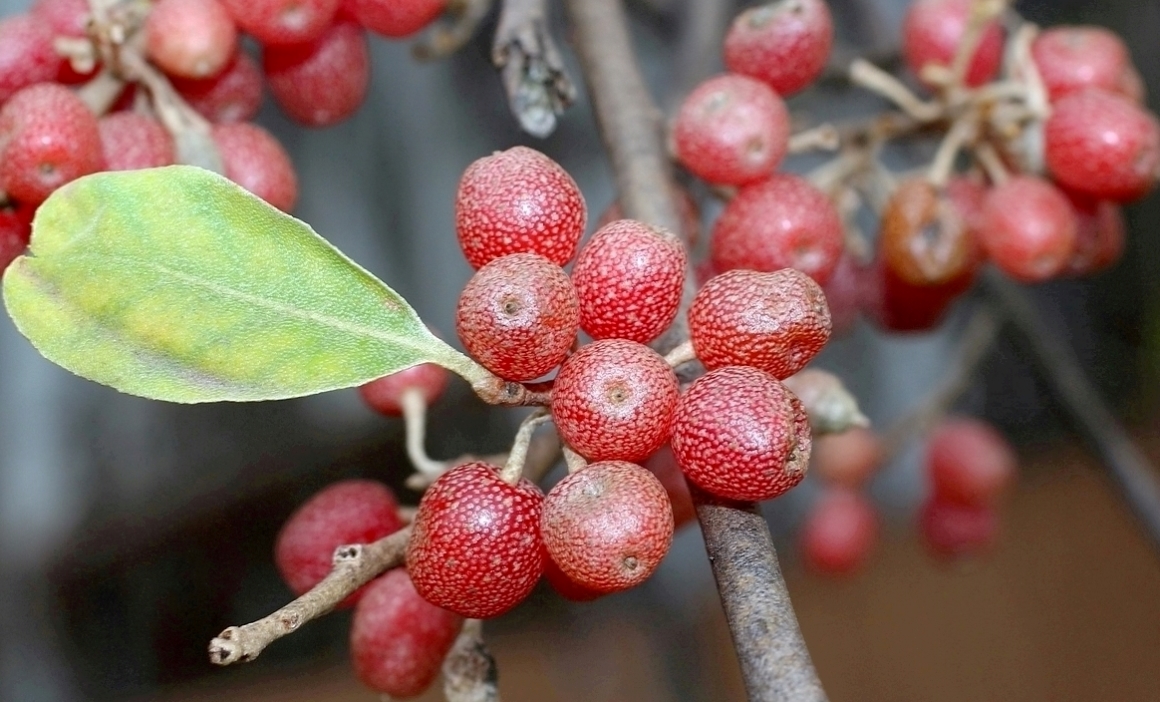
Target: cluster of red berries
x,y
314,62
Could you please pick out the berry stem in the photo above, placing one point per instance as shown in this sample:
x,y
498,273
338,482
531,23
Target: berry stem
x,y
531,67
681,355
513,469
824,137
872,78
573,460
963,130
982,12
415,419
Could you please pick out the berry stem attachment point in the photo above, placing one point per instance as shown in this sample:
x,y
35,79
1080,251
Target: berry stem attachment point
x,y
574,460
681,355
513,470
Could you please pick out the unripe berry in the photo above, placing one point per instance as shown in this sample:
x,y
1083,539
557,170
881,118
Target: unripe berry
x,y
518,201
784,43
1099,236
385,395
740,434
48,137
476,547
970,462
1104,145
131,140
280,22
924,237
614,400
773,321
933,30
395,18
323,82
663,464
346,512
15,229
256,161
234,95
849,458
26,54
518,316
1028,229
629,278
840,533
608,525
1074,58
956,531
398,640
782,222
731,129
190,38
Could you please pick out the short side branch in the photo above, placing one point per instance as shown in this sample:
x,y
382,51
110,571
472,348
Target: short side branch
x,y
537,85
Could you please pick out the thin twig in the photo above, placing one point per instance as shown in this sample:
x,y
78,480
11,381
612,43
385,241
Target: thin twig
x,y
533,72
452,32
702,27
866,75
414,404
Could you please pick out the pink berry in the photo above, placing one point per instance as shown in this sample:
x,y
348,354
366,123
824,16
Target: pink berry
x,y
26,54
68,18
613,400
518,201
1099,235
1028,229
956,531
476,547
395,18
518,316
933,30
847,459
782,222
385,395
322,82
663,464
398,640
131,140
970,462
280,22
1074,58
784,43
773,321
608,525
731,129
346,512
256,161
1104,145
190,38
629,278
48,137
740,434
234,95
15,229
840,533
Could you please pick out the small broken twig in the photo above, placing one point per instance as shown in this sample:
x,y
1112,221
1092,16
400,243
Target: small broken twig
x,y
537,85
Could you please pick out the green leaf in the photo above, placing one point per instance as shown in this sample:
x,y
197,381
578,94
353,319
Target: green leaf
x,y
175,284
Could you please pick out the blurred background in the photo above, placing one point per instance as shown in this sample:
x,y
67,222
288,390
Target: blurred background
x,y
131,531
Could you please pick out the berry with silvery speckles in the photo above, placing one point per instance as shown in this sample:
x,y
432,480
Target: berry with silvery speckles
x,y
518,201
323,82
256,161
784,43
614,400
395,18
740,434
629,277
281,22
234,95
190,38
663,464
933,30
1028,228
26,54
15,230
131,140
476,547
1099,234
773,321
1074,58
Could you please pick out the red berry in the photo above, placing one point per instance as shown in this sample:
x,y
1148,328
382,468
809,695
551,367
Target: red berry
x,y
663,464
849,458
131,140
629,278
970,462
613,400
933,30
190,38
1100,233
955,531
398,640
608,525
785,43
518,316
234,95
1074,58
843,293
15,229
48,137
740,434
773,321
782,222
925,238
385,395
899,306
518,201
564,586
476,547
256,161
279,22
347,512
395,18
840,533
322,82
731,129
26,54
1028,229
68,18
1104,145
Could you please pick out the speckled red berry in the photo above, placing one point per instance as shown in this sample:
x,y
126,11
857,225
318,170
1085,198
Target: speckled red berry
x,y
782,222
518,316
969,462
234,95
190,38
773,321
839,535
347,512
1099,235
131,140
784,43
608,525
629,278
395,18
323,82
476,547
518,201
566,587
385,395
1028,228
15,229
933,30
398,640
26,54
1074,58
281,22
663,464
741,435
614,400
255,160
